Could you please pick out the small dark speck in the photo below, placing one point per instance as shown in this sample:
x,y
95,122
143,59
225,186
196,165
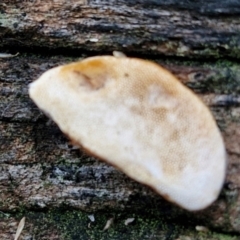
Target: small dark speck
x,y
198,76
126,75
15,25
24,14
229,186
103,179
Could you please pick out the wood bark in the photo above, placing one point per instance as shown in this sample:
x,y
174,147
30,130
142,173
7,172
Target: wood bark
x,y
198,41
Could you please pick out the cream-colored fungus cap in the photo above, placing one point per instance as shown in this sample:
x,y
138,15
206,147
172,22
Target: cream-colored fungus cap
x,y
137,116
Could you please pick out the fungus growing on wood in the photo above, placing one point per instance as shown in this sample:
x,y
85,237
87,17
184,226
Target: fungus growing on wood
x,y
137,116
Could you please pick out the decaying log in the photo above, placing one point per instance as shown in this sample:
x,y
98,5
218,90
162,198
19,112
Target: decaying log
x,y
172,28
39,168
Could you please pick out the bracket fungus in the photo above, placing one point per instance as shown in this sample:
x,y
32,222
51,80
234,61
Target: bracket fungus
x,y
137,116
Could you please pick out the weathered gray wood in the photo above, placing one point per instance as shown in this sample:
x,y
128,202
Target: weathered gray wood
x,y
200,29
39,169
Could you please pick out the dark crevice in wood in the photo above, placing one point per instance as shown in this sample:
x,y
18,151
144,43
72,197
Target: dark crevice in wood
x,y
83,53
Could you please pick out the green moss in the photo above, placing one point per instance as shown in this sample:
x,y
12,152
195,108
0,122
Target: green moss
x,y
75,224
221,76
47,185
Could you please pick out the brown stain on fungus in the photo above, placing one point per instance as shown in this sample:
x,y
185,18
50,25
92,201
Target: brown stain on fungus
x,y
88,82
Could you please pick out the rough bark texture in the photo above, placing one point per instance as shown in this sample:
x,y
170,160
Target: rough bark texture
x,y
41,174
